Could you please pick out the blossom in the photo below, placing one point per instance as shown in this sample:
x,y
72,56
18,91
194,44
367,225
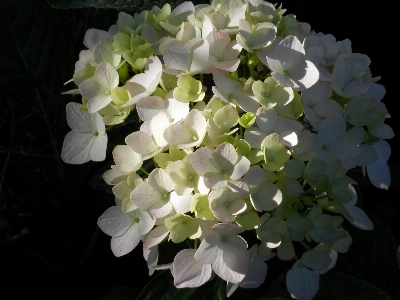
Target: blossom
x,y
125,228
157,196
98,89
289,66
87,140
226,252
236,118
220,165
302,280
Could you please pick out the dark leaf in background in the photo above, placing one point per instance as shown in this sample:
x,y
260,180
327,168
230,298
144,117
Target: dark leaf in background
x,y
161,287
372,256
332,285
126,5
120,292
36,47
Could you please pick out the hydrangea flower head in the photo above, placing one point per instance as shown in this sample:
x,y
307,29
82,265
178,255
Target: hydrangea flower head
x,y
246,123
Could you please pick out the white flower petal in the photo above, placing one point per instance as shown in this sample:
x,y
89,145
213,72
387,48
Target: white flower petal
x,y
114,222
107,76
208,249
99,148
77,147
141,142
149,107
145,196
187,272
302,283
124,244
155,236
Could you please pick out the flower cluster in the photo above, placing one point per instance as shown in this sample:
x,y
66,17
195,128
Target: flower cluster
x,y
250,121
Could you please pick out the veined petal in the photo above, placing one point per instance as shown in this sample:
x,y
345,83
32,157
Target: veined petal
x,y
177,110
90,88
226,156
141,142
199,54
344,149
98,102
301,282
161,209
181,203
155,236
208,249
218,40
357,217
76,147
177,58
114,222
204,162
124,244
188,272
235,257
107,76
266,119
79,120
157,127
126,159
146,222
99,148
332,128
316,260
240,168
267,198
145,196
149,107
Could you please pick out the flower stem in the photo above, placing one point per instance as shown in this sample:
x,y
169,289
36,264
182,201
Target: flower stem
x,y
305,245
144,171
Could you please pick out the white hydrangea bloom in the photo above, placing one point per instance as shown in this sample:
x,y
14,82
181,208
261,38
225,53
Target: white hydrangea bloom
x,y
219,166
289,65
144,84
257,36
226,252
317,103
156,195
378,172
233,91
333,144
229,201
188,272
268,122
188,58
150,143
302,280
223,52
125,228
87,140
97,90
188,133
255,275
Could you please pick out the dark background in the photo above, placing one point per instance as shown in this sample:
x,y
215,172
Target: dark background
x,y
50,245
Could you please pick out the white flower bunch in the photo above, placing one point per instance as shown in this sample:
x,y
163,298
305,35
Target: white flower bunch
x,y
251,121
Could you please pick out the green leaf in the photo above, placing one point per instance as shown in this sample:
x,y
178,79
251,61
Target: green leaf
x,y
372,256
126,5
333,285
31,30
161,287
344,287
120,292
